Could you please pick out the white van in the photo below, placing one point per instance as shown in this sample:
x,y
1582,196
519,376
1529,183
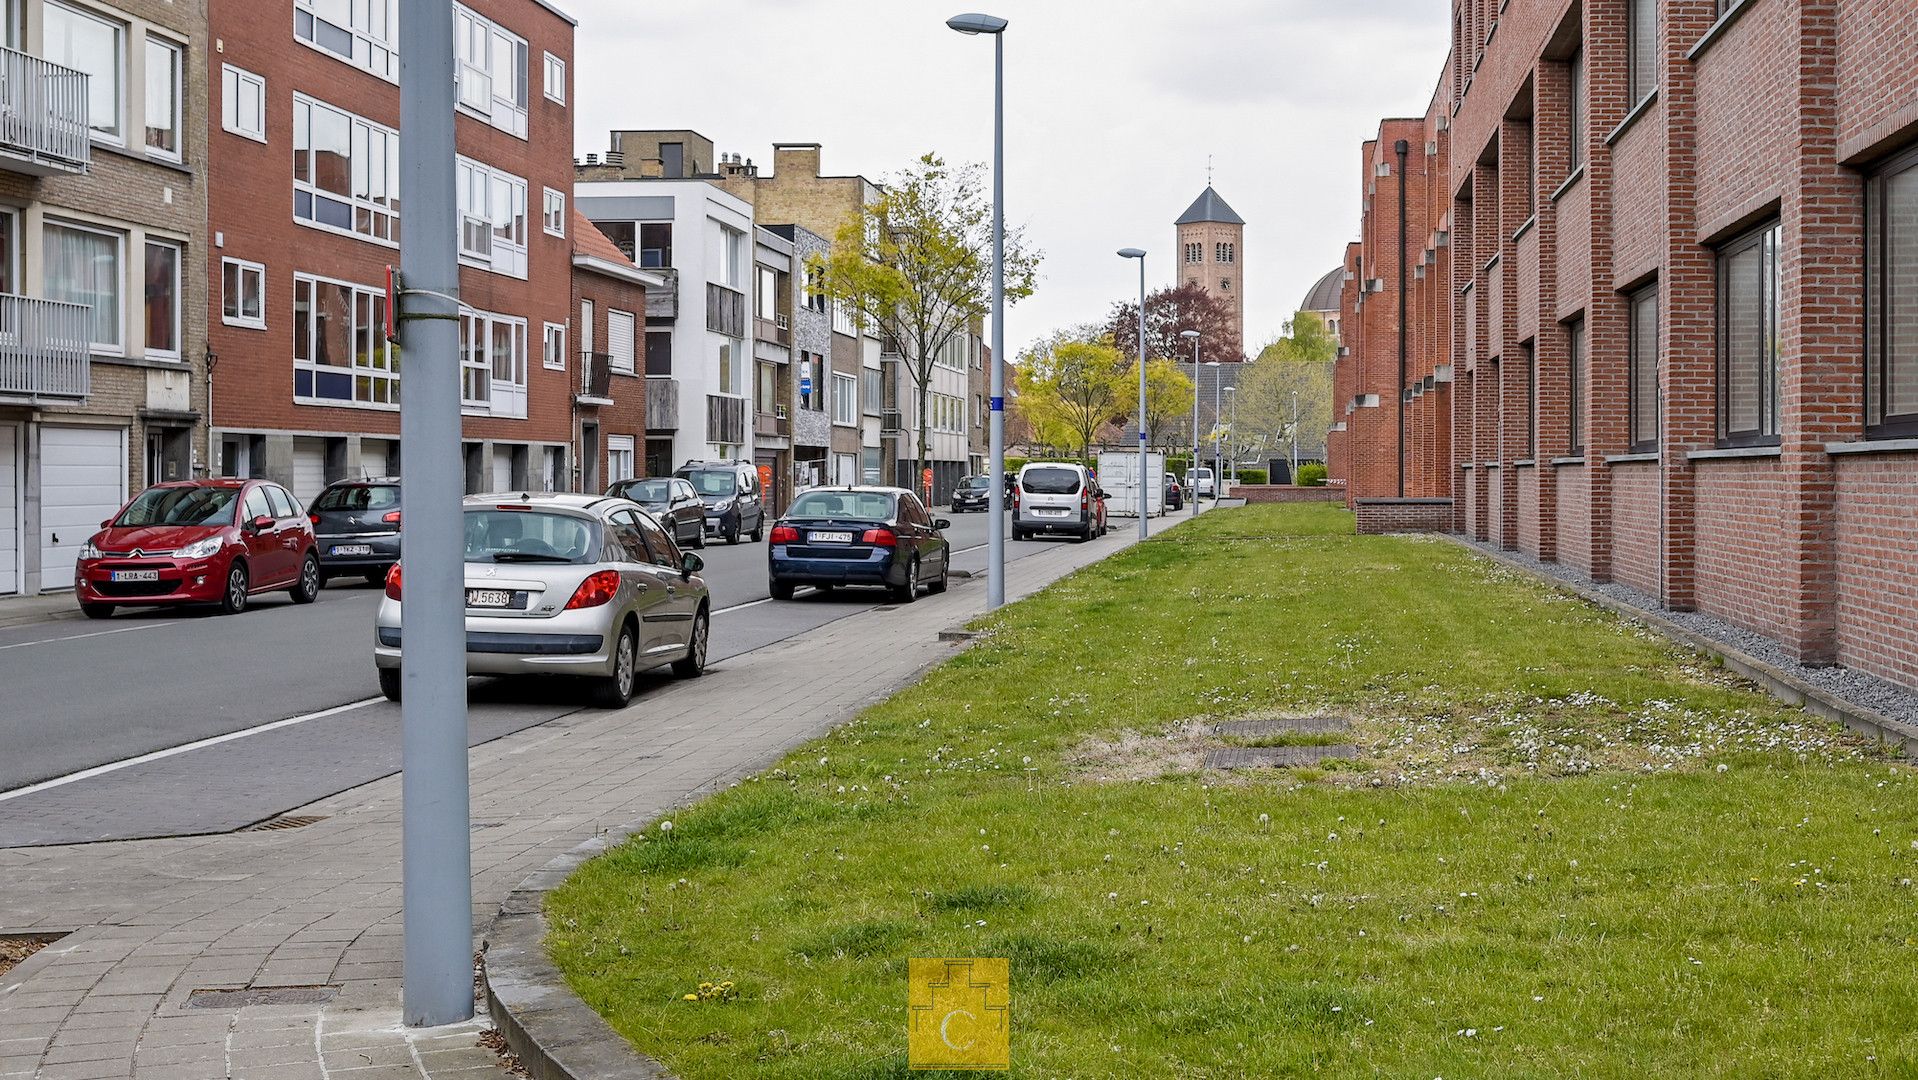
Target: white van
x,y
1199,482
1057,497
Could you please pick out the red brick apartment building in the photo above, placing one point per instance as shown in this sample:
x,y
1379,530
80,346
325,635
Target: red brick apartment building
x,y
304,215
1680,239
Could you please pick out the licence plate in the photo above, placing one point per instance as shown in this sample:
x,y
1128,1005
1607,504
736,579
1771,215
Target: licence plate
x,y
831,537
1052,513
352,549
136,575
488,598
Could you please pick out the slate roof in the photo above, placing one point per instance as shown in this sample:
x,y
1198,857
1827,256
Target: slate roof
x,y
1324,294
1209,207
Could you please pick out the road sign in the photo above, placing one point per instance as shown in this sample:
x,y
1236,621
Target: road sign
x,y
805,386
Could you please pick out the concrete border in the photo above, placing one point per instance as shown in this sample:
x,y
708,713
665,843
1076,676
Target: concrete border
x,y
1781,684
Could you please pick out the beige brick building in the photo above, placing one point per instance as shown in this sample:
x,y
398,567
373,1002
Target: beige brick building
x,y
1211,251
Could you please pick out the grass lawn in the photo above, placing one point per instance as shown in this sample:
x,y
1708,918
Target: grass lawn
x,y
1566,848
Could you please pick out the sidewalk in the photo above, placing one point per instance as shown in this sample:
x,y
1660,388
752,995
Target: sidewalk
x,y
23,610
318,907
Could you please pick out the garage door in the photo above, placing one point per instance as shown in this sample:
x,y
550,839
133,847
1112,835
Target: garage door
x,y
377,457
9,508
502,468
82,483
309,468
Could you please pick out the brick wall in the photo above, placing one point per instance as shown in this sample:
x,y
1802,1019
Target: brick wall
x,y
1528,515
1574,517
1402,515
1284,493
1635,536
1741,544
1877,586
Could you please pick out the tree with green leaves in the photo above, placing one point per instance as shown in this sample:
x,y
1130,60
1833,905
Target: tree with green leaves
x,y
1168,398
915,267
1299,361
1074,388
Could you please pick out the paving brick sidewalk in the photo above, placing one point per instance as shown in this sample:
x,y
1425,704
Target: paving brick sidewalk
x,y
155,920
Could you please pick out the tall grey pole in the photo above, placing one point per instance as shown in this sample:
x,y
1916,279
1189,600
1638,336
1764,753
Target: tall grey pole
x,y
1218,462
996,539
437,856
1194,493
1145,499
1295,437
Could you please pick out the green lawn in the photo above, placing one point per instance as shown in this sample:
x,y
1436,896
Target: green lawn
x,y
1567,848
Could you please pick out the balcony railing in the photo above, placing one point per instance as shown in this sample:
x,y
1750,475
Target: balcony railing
x,y
891,423
43,116
662,403
44,348
725,311
725,419
773,330
595,377
771,424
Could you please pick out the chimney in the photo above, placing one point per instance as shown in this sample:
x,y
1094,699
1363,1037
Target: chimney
x,y
796,159
592,159
616,158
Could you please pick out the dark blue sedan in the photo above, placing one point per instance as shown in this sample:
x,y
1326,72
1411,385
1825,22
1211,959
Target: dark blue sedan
x,y
877,536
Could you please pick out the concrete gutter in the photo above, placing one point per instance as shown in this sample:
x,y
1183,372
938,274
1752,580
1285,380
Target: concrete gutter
x,y
1780,683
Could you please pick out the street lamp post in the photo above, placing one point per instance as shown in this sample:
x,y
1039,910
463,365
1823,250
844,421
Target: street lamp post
x,y
1218,460
1295,436
996,498
1194,336
1144,500
1231,453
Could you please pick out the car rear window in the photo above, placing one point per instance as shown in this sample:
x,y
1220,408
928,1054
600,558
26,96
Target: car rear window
x,y
858,505
180,506
495,535
355,497
1050,481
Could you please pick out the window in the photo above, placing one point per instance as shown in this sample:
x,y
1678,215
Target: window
x,y
728,257
360,32
1891,298
659,352
1575,378
82,266
553,347
1643,346
1641,47
812,378
346,172
492,363
491,63
1748,339
340,352
555,79
1225,253
282,501
162,300
243,103
619,463
243,293
655,244
1195,253
843,320
845,399
672,160
619,340
1575,108
492,218
815,290
870,393
88,43
163,98
553,216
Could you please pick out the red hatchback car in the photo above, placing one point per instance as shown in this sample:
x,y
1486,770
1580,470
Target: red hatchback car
x,y
200,542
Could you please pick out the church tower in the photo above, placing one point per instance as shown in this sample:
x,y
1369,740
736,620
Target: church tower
x,y
1211,252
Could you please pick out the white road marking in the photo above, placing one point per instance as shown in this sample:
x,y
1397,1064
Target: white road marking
x,y
77,637
185,748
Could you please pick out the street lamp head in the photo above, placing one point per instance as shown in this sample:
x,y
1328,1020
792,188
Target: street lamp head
x,y
976,23
1132,253
1190,335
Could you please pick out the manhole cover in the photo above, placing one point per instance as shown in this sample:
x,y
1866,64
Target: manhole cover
x,y
260,995
289,821
1291,725
1260,757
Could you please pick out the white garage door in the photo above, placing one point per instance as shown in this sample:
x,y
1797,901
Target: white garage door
x,y
376,457
309,468
83,481
502,468
9,508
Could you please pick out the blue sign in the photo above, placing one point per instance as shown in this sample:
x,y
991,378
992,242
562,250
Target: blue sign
x,y
805,387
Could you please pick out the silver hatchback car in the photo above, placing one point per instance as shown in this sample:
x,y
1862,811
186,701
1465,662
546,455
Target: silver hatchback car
x,y
562,584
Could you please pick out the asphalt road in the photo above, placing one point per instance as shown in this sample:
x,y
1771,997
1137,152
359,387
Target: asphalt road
x,y
83,695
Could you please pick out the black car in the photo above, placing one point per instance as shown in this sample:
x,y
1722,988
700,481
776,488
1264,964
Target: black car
x,y
673,501
356,524
730,492
859,536
972,493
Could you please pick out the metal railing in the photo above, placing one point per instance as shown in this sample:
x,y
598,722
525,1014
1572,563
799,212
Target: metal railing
x,y
44,347
43,113
596,375
772,330
891,423
662,403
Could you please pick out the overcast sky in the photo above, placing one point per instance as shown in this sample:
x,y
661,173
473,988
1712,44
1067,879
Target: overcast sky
x,y
1112,109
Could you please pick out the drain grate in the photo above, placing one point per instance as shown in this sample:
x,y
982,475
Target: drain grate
x,y
288,821
1291,725
1260,757
243,996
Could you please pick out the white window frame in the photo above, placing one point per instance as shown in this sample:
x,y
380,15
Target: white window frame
x,y
553,213
473,320
476,41
551,358
120,67
845,400
616,446
373,330
555,88
176,51
374,42
179,299
357,126
503,254
626,364
233,80
103,348
243,268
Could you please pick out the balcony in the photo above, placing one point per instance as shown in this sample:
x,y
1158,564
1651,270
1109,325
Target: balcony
x,y
725,419
773,424
595,378
44,348
43,116
725,311
663,303
777,331
891,423
662,403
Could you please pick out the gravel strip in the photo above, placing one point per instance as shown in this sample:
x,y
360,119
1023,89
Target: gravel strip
x,y
1856,687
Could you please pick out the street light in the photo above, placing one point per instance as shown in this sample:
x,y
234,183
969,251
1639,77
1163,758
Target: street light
x,y
1139,254
974,24
1295,436
1231,456
1194,336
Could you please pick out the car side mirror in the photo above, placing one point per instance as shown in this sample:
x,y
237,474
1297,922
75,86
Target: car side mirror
x,y
690,564
260,524
941,524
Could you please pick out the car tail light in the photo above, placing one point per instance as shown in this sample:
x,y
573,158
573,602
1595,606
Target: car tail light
x,y
392,518
314,518
785,534
595,590
1085,499
393,582
880,538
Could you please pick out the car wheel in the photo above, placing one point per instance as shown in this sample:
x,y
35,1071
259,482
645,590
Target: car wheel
x,y
907,593
759,529
233,600
945,577
733,537
693,664
616,690
390,683
307,588
781,590
97,611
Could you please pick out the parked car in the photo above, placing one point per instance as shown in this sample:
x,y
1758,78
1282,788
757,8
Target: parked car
x,y
1057,497
859,536
1200,483
564,584
730,492
356,524
671,500
1174,494
220,541
972,493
